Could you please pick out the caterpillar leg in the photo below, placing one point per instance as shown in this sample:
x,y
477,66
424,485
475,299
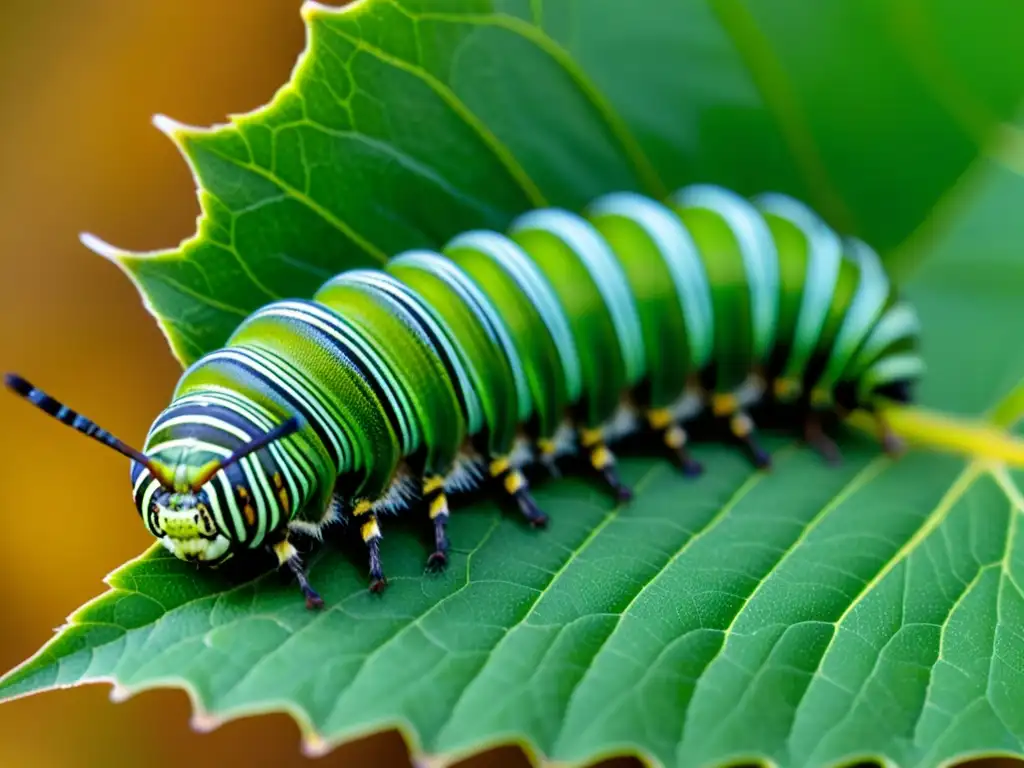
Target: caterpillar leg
x,y
674,438
603,460
288,555
437,506
547,450
742,428
816,405
370,531
815,437
516,486
547,454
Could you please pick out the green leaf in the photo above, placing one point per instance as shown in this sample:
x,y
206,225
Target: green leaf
x,y
407,121
808,616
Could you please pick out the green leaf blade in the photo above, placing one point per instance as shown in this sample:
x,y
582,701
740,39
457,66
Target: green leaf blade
x,y
809,616
406,122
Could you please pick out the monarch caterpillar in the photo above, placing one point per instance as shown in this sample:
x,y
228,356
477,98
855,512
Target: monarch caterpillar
x,y
563,335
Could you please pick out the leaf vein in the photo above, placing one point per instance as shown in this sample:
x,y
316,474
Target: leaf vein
x,y
458,107
721,514
574,555
863,477
616,125
310,203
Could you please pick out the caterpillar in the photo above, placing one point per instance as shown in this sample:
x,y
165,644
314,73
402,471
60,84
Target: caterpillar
x,y
399,386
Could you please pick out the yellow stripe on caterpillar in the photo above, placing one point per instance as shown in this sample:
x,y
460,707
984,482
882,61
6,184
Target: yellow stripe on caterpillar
x,y
787,389
370,529
285,551
675,437
439,506
821,398
741,425
432,484
546,446
601,458
589,437
498,466
724,405
659,418
514,482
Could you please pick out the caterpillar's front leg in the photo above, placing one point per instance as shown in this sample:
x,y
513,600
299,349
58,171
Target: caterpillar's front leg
x,y
437,505
369,529
288,555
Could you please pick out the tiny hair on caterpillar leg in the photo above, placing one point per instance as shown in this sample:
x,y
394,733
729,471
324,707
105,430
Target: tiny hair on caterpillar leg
x,y
394,390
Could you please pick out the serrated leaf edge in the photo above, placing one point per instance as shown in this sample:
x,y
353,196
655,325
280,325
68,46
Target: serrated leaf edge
x,y
178,133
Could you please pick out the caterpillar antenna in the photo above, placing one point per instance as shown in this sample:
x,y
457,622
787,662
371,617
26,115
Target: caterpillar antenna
x,y
65,415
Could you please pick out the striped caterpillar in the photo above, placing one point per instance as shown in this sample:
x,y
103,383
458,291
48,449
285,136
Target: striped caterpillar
x,y
560,337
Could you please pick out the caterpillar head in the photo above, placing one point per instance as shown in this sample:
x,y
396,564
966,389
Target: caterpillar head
x,y
173,502
185,526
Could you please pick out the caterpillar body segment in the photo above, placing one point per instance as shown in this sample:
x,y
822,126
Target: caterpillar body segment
x,y
391,389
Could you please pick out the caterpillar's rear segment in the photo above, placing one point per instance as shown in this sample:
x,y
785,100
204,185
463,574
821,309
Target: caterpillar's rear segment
x,y
564,335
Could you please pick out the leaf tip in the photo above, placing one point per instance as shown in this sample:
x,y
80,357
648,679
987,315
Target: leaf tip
x,y
428,761
311,9
119,693
203,722
100,247
170,127
314,745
